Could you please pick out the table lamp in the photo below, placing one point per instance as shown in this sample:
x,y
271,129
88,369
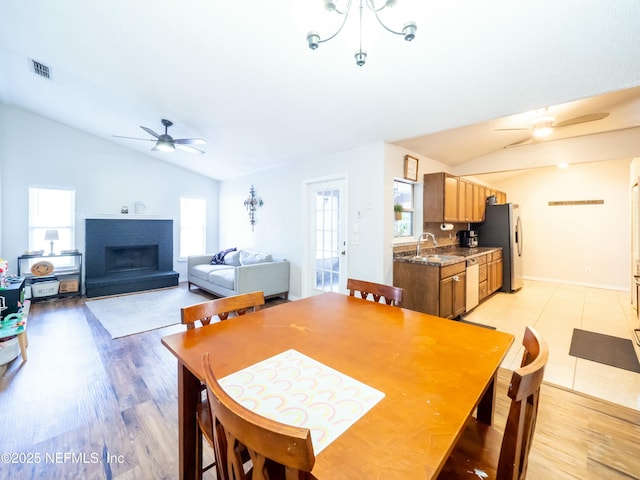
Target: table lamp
x,y
51,235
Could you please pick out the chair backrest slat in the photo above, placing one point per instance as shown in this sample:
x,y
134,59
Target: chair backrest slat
x,y
221,307
392,295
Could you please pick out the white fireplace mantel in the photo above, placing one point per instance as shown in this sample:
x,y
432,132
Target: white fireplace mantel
x,y
123,216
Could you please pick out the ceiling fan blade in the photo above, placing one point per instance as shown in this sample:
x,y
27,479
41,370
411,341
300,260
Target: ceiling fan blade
x,y
582,119
135,138
508,129
190,141
520,142
189,149
149,131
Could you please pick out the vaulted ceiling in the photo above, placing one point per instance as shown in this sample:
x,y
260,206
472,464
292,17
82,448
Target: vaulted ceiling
x,y
240,75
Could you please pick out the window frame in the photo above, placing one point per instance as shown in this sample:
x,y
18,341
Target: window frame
x,y
38,222
405,210
202,226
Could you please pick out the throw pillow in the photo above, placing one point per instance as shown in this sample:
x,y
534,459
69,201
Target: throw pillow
x,y
251,258
218,258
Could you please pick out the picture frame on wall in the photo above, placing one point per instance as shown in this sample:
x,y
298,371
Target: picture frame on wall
x,y
410,168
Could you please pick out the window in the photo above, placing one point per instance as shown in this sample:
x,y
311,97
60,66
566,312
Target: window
x,y
403,195
52,209
193,226
327,214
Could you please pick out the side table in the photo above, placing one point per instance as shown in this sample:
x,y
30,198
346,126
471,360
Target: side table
x,y
15,324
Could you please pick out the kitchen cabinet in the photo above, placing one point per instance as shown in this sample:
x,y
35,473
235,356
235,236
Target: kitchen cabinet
x,y
465,201
448,198
494,271
437,290
479,202
483,283
440,200
453,290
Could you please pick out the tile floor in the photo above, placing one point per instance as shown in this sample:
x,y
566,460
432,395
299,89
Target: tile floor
x,y
555,310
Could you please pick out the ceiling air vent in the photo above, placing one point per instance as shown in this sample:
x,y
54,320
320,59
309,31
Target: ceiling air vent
x,y
40,69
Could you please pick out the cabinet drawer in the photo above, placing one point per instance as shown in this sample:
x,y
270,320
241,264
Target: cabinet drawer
x,y
454,269
496,255
482,259
482,273
483,290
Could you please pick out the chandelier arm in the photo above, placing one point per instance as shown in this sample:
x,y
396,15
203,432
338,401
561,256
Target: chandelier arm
x,y
384,26
346,15
331,6
373,8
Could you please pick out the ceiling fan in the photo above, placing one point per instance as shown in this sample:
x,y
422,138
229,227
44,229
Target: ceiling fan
x,y
166,143
545,124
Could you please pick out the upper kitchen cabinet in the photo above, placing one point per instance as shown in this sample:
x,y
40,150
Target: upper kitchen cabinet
x,y
465,201
479,202
440,200
448,198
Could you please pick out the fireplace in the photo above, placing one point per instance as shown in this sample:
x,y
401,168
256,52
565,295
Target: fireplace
x,y
131,259
129,255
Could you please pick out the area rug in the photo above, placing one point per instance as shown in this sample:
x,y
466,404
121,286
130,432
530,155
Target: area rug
x,y
128,314
597,347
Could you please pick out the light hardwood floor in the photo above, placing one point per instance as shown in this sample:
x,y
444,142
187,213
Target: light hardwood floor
x,y
87,406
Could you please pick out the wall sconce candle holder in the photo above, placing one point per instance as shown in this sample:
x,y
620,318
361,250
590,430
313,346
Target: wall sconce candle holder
x,y
251,204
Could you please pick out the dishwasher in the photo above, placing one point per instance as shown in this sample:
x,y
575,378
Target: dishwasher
x,y
473,280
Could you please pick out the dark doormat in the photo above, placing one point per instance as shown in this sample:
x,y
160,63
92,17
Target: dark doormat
x,y
462,320
597,347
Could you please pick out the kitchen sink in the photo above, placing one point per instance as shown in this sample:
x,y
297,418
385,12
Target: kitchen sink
x,y
436,258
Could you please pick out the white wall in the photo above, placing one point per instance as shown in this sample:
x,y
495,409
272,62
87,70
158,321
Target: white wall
x,y
561,242
39,152
579,244
281,222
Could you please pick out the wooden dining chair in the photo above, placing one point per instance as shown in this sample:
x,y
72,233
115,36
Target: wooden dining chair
x,y
482,452
204,312
221,307
277,450
391,295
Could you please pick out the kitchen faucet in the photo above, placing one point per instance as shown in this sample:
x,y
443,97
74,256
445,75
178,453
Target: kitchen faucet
x,y
427,235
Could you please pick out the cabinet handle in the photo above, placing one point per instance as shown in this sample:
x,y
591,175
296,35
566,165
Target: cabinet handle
x,y
456,278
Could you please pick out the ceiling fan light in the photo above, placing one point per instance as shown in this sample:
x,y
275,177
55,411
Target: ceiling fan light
x,y
541,132
164,146
543,126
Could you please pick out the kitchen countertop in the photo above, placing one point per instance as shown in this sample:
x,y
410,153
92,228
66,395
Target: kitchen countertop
x,y
465,253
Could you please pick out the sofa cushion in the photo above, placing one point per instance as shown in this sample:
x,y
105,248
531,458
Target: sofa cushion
x,y
224,277
232,258
251,258
202,271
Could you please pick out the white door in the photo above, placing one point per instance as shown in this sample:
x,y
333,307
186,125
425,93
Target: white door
x,y
326,260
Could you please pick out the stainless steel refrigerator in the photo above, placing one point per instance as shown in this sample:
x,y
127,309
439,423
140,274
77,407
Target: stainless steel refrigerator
x,y
502,227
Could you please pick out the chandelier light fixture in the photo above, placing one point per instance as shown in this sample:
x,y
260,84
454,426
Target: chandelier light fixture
x,y
339,7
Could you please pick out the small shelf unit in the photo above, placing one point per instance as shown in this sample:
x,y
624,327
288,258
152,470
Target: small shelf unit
x,y
65,279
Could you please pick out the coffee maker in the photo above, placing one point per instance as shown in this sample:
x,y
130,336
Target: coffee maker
x,y
469,238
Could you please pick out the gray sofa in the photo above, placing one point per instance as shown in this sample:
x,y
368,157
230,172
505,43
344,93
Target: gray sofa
x,y
243,271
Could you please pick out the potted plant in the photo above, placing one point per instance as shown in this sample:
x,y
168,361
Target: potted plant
x,y
397,209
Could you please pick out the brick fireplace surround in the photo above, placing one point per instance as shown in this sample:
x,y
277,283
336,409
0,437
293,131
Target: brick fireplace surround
x,y
128,255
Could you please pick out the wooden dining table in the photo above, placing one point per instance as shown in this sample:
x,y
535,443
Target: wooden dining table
x,y
434,373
